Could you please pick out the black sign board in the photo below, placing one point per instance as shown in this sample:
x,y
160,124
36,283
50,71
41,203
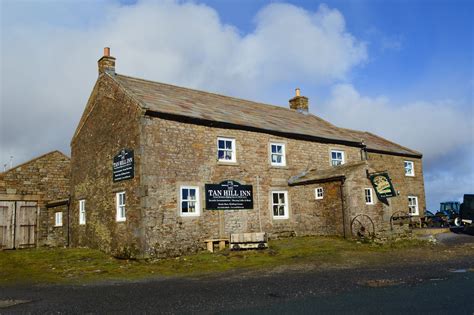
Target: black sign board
x,y
123,166
382,185
229,195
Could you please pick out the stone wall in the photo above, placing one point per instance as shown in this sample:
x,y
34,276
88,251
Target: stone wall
x,y
42,179
177,153
57,236
110,124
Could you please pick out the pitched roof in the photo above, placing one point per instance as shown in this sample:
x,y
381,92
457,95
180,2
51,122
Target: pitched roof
x,y
329,174
179,101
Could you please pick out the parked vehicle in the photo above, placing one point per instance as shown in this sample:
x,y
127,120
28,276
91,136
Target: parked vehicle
x,y
467,210
451,210
434,220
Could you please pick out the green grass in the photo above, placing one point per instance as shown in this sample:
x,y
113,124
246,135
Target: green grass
x,y
87,265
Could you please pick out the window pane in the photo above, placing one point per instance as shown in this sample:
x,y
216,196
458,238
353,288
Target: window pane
x,y
185,194
275,210
282,198
228,145
228,155
184,206
192,194
191,206
281,210
278,159
275,198
220,155
274,158
274,149
221,144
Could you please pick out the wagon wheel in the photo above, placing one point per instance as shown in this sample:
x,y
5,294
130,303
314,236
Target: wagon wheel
x,y
397,218
362,226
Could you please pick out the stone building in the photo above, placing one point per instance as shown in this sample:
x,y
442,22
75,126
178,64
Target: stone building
x,y
34,198
156,169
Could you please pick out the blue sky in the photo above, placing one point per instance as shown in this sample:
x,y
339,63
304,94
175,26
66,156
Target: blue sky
x,y
401,69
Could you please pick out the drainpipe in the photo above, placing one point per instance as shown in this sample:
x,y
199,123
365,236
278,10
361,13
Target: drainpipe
x,y
68,221
343,209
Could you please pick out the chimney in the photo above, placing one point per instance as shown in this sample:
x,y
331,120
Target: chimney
x,y
299,103
107,63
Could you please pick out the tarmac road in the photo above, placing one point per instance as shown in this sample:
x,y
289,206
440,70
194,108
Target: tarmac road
x,y
432,287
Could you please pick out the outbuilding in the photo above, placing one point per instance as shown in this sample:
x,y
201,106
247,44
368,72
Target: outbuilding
x,y
156,169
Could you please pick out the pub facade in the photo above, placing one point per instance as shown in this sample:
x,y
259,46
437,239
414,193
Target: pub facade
x,y
156,169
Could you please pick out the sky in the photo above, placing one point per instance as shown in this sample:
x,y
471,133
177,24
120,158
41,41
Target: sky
x,y
401,69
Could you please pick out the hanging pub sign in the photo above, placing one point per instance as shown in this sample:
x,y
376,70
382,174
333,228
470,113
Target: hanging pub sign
x,y
229,195
123,166
382,185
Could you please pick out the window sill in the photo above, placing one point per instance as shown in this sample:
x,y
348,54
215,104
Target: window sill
x,y
189,215
406,175
280,218
281,167
120,220
57,226
228,163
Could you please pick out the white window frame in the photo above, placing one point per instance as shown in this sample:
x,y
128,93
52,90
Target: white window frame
x,y
369,196
343,158
412,173
282,154
82,212
121,216
58,219
233,150
319,193
415,205
197,202
285,205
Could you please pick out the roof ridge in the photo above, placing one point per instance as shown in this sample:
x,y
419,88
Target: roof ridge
x,y
35,159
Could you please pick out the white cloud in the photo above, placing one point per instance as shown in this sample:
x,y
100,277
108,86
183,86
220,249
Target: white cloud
x,y
51,68
434,128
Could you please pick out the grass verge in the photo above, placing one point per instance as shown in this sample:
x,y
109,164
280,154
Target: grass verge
x,y
75,266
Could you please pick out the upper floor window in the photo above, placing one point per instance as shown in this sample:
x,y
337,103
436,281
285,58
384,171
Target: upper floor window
x,y
226,150
319,193
369,199
280,204
82,212
120,201
409,168
413,205
58,219
337,157
277,154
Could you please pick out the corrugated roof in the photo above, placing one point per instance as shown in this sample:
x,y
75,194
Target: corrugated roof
x,y
180,101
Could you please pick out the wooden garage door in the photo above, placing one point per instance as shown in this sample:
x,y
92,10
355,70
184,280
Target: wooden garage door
x,y
25,224
7,215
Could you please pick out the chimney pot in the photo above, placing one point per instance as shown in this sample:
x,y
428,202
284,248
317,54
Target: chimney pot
x,y
107,51
297,91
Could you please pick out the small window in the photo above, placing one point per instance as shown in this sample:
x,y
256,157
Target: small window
x,y
409,168
413,205
369,199
120,199
226,150
82,212
319,193
189,201
337,157
280,204
58,219
277,155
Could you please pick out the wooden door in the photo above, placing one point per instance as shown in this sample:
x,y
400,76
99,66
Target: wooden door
x,y
25,225
7,232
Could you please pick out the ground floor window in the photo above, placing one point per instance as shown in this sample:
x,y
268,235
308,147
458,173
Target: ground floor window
x,y
82,212
58,219
280,204
319,193
413,205
189,204
369,199
120,201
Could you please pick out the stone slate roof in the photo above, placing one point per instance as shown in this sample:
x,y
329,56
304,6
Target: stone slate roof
x,y
331,173
179,101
